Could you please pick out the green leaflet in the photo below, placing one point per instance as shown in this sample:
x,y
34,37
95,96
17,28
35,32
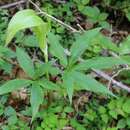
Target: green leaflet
x,y
128,16
28,19
125,46
94,14
30,41
126,106
126,58
106,42
100,63
81,44
25,62
90,84
36,99
56,49
13,85
68,83
7,67
48,84
6,52
91,12
81,81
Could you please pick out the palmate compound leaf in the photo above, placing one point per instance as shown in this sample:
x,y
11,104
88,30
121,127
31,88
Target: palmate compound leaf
x,y
74,79
28,19
13,85
25,62
36,99
81,44
100,63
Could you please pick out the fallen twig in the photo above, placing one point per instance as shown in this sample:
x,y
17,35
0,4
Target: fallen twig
x,y
107,77
12,4
116,74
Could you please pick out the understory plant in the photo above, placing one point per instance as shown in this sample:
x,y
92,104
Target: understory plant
x,y
71,71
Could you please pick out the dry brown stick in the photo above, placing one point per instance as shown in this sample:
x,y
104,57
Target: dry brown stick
x,y
107,77
116,74
12,4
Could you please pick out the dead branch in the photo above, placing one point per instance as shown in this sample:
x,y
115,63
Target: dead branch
x,y
114,82
12,4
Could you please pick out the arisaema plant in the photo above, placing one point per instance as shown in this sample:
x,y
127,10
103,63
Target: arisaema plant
x,y
73,75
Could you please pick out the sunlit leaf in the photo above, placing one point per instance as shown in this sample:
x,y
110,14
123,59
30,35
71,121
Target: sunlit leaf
x,y
28,19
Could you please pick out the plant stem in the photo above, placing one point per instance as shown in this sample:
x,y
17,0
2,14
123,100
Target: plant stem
x,y
45,51
49,94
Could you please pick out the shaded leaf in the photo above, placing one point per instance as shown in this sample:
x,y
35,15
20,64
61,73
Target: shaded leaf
x,y
106,43
102,16
7,67
81,44
6,52
90,84
68,83
125,46
128,15
56,49
36,99
25,62
30,41
121,123
128,121
48,84
91,12
126,106
100,63
13,85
